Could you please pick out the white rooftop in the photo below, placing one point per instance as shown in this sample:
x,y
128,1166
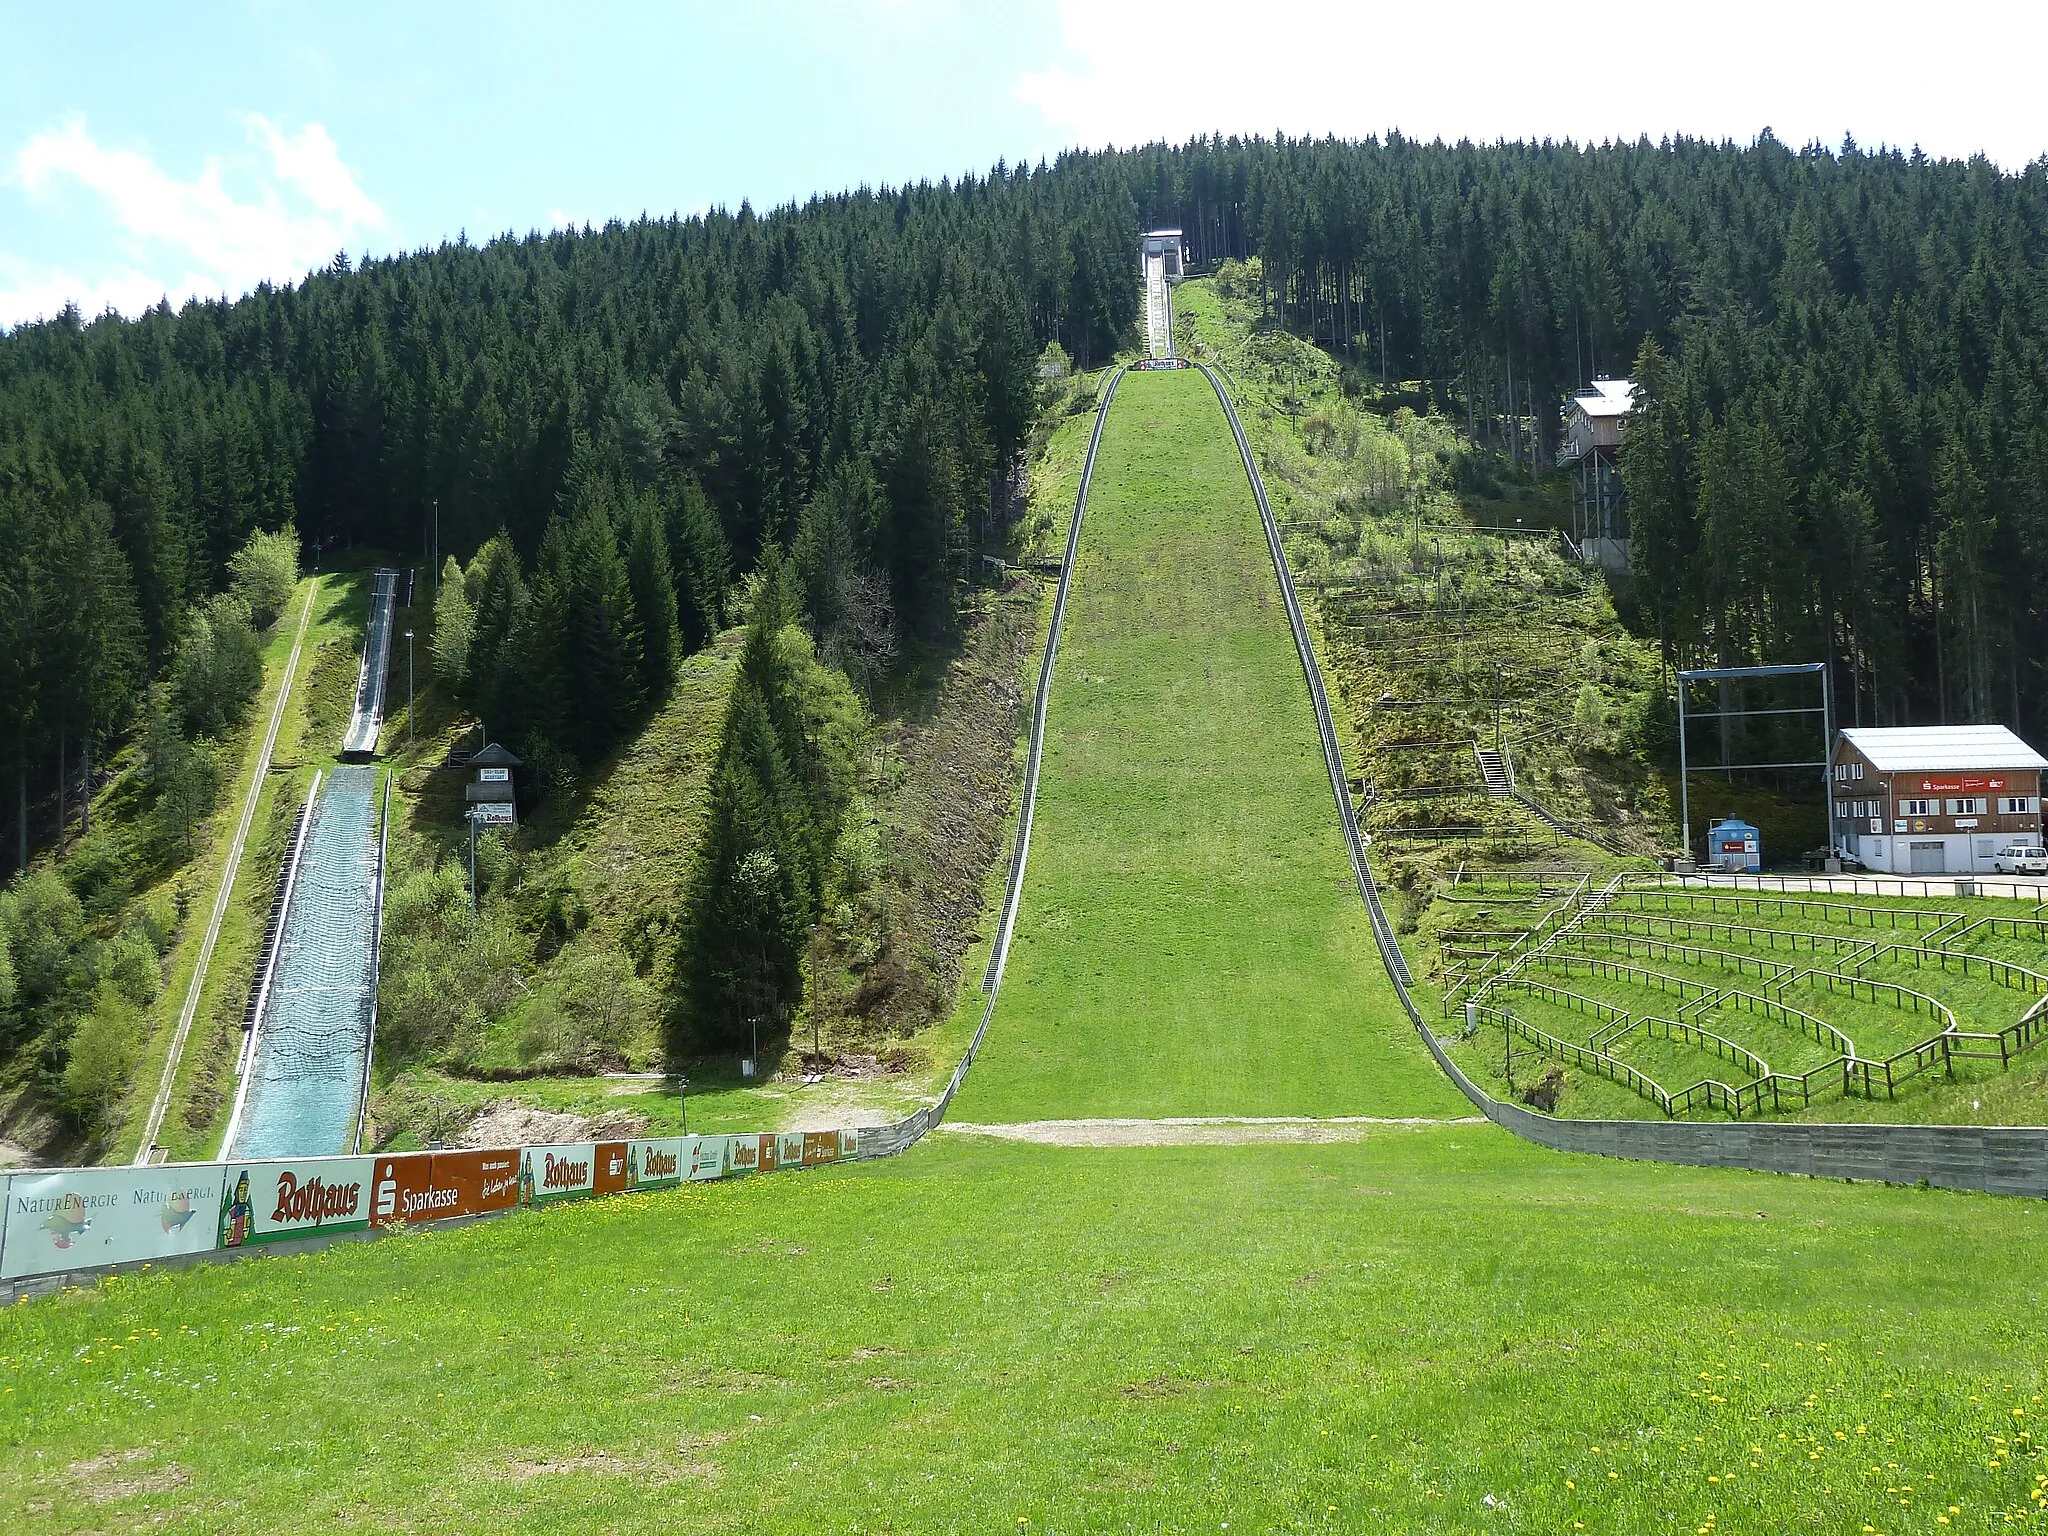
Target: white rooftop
x,y
1924,748
1607,397
1160,234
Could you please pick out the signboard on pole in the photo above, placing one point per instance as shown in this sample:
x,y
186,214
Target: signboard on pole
x,y
493,813
78,1217
267,1202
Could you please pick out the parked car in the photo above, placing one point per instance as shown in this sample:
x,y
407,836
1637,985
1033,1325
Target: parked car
x,y
2020,859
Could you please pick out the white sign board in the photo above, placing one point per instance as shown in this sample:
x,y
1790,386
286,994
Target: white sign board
x,y
265,1202
654,1163
551,1173
494,775
709,1156
83,1216
492,813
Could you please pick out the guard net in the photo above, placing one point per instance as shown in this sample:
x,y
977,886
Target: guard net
x,y
312,1043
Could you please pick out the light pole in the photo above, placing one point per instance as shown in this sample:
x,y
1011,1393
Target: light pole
x,y
683,1094
408,689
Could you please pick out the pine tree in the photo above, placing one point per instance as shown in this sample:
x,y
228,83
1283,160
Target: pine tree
x,y
454,630
700,562
654,596
745,917
582,582
923,532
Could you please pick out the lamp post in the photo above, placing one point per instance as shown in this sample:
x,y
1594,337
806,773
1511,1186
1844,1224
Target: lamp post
x,y
683,1094
408,689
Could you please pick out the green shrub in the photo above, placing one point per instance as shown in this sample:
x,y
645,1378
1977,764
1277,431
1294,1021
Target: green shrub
x,y
103,1053
263,572
218,666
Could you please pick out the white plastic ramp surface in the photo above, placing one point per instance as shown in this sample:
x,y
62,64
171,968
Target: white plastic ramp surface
x,y
301,1092
1158,313
366,724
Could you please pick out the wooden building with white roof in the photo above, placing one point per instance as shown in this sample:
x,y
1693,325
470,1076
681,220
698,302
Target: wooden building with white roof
x,y
1936,799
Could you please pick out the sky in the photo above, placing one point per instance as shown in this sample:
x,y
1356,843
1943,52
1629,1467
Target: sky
x,y
151,151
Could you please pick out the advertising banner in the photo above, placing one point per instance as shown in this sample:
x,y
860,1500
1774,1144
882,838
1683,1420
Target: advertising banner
x,y
83,1216
743,1153
610,1178
709,1157
657,1163
557,1172
1957,784
267,1202
820,1147
849,1145
789,1150
468,1184
431,1186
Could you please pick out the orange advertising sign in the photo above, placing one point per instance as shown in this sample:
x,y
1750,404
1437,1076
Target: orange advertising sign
x,y
481,1181
610,1178
402,1188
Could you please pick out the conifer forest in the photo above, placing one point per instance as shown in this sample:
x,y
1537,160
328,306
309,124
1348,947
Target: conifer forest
x,y
1841,449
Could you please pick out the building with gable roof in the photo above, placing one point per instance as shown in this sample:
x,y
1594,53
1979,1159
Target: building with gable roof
x,y
1934,799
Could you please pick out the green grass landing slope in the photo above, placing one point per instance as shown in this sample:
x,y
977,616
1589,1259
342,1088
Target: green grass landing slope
x,y
1190,941
1373,1337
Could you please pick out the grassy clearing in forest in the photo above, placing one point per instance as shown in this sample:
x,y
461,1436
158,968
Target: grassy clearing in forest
x,y
1434,1329
1189,941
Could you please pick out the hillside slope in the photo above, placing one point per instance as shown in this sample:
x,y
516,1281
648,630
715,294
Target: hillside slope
x,y
1189,940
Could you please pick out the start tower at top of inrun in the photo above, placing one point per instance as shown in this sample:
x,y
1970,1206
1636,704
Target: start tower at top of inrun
x,y
1164,243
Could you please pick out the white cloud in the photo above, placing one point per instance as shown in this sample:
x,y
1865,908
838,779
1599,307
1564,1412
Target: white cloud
x,y
274,214
1485,70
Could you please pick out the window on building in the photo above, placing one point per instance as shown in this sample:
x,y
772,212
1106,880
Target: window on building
x,y
1968,806
1917,807
2017,805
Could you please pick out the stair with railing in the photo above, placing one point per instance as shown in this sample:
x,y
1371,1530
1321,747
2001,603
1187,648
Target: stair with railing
x,y
1493,767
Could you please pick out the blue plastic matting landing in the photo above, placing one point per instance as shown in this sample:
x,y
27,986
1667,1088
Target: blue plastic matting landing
x,y
313,1040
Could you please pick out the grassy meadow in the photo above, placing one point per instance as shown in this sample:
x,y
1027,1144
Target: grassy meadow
x,y
1189,940
1431,1329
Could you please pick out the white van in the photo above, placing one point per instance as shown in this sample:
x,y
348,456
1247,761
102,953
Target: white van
x,y
2020,859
